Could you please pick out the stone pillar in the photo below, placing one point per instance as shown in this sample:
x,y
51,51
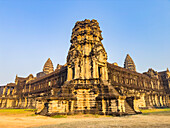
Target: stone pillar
x,y
4,102
83,68
103,106
167,100
13,91
95,70
136,104
161,101
72,106
156,100
121,104
69,73
153,100
29,102
77,70
29,87
0,101
142,100
16,102
88,65
104,73
9,90
150,100
9,103
20,102
4,91
25,102
66,106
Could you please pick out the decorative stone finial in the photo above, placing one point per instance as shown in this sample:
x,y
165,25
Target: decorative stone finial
x,y
58,66
115,64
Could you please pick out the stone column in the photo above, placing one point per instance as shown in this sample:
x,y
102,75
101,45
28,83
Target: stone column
x,y
69,73
77,69
66,106
161,101
29,87
72,106
103,106
13,91
121,104
103,73
9,103
156,100
167,100
4,91
106,73
4,101
20,102
83,68
150,100
9,90
95,70
16,102
153,100
88,65
86,68
25,102
136,104
0,101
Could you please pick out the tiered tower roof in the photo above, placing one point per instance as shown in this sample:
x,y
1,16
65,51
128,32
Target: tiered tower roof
x,y
129,63
48,67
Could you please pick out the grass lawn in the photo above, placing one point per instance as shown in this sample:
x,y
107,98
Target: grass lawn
x,y
25,112
163,111
31,112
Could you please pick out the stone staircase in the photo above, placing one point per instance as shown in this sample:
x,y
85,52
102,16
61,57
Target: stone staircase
x,y
129,109
44,111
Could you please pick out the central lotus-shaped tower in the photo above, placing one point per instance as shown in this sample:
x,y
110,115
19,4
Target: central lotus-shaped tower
x,y
87,58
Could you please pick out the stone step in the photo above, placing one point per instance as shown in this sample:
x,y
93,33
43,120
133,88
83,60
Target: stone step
x,y
128,109
44,111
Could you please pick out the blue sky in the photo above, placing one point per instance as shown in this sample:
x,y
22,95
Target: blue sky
x,y
31,31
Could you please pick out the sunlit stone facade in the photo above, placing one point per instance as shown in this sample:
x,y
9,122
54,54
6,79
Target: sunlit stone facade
x,y
87,83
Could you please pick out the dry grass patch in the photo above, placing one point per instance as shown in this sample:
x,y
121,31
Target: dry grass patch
x,y
13,112
163,111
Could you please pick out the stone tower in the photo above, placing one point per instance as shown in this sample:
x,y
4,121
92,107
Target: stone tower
x,y
129,64
48,67
87,58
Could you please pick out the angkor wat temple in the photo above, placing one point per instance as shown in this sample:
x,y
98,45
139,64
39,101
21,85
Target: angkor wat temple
x,y
87,83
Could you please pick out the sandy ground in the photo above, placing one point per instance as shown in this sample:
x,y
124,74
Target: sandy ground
x,y
134,121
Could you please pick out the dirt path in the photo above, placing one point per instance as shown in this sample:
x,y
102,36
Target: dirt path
x,y
146,121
